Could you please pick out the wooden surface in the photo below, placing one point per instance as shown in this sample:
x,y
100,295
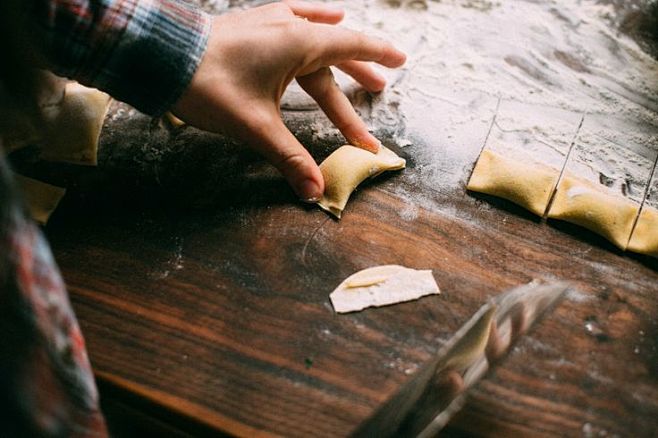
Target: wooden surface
x,y
222,314
202,285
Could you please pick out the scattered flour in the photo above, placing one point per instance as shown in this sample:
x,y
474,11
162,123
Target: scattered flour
x,y
465,57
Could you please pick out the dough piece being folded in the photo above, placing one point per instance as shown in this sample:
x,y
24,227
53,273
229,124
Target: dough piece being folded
x,y
73,126
582,203
41,198
381,286
346,168
645,235
528,185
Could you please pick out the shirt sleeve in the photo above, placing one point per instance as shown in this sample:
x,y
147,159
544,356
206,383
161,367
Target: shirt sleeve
x,y
143,52
48,388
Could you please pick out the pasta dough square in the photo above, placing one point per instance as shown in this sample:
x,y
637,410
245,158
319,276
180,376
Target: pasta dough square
x,y
529,186
582,203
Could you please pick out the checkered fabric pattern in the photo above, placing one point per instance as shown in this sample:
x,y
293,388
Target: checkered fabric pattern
x,y
143,52
46,381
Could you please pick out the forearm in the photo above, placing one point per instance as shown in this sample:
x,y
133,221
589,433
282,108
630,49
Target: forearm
x,y
143,52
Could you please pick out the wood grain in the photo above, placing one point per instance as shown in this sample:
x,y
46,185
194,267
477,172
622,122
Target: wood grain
x,y
202,284
217,315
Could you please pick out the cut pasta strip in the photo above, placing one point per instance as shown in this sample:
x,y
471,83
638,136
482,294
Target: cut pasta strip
x,y
599,210
529,186
645,235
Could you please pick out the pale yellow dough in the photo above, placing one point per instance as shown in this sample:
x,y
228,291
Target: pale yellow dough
x,y
73,127
41,198
346,168
174,121
595,208
529,186
381,286
645,235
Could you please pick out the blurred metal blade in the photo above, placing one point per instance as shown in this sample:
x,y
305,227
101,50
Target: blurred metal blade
x,y
425,404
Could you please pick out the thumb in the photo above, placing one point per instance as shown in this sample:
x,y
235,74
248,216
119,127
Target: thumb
x,y
286,153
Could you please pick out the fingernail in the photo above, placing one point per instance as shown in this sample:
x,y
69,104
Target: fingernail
x,y
370,143
309,191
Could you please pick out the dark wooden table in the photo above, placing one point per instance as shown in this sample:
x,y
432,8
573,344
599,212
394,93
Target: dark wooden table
x,y
202,285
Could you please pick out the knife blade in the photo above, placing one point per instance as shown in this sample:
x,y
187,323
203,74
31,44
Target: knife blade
x,y
425,403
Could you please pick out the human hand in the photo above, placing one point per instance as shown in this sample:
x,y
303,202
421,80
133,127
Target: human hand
x,y
253,55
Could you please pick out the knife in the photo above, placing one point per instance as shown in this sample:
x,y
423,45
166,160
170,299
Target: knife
x,y
425,404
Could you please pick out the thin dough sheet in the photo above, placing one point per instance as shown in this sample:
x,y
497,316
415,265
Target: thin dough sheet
x,y
599,210
529,186
382,286
606,177
346,168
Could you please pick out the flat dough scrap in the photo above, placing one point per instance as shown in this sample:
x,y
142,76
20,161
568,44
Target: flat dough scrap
x,y
41,198
529,186
73,127
346,168
595,208
645,235
381,286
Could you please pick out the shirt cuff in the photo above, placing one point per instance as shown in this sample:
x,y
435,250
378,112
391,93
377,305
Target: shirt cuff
x,y
142,52
155,59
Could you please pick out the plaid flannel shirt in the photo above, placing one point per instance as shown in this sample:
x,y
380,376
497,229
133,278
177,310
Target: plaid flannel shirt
x,y
143,52
47,386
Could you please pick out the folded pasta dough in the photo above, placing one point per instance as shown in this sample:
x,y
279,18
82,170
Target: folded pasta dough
x,y
346,168
582,203
74,125
529,186
41,198
645,235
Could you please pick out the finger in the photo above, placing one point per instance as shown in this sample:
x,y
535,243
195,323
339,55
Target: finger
x,y
273,139
316,12
450,385
364,74
496,344
321,86
337,45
